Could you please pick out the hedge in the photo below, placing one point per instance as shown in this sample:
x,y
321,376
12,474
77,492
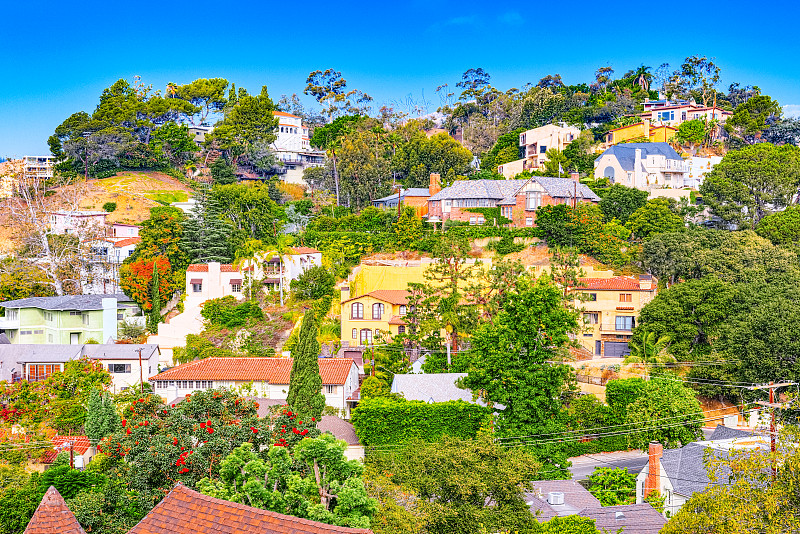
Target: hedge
x,y
385,421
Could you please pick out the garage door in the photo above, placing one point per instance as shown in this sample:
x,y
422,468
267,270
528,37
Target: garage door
x,y
615,349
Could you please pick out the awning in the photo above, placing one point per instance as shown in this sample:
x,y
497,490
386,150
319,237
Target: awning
x,y
236,281
194,281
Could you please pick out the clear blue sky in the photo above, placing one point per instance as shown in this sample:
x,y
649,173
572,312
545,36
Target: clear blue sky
x,y
58,56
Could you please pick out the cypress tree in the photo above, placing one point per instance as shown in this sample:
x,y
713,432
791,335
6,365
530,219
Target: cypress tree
x,y
111,421
94,425
155,295
305,385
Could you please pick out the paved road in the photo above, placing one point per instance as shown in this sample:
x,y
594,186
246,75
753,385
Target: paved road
x,y
633,461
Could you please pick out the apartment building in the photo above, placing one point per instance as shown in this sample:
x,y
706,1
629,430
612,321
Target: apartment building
x,y
293,148
610,311
38,167
643,166
69,319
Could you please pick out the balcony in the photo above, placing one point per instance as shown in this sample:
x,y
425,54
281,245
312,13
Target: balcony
x,y
8,323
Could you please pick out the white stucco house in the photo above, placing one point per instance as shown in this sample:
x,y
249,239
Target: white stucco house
x,y
643,166
268,377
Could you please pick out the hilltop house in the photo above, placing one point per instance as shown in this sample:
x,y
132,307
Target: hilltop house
x,y
644,166
269,378
677,474
562,498
517,199
534,145
69,319
645,131
78,222
293,149
675,113
35,363
612,306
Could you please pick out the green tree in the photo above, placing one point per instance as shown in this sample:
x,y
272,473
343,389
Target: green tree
x,y
557,164
314,283
206,96
102,418
750,182
223,172
620,202
305,385
749,120
655,217
161,235
782,228
613,486
408,229
579,153
512,363
248,122
206,235
459,485
692,132
421,155
173,143
154,317
17,505
249,211
572,524
505,149
665,398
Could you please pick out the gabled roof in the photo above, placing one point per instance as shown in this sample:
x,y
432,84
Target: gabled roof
x,y
129,241
80,444
437,387
334,371
38,353
494,189
410,192
626,153
284,114
724,432
686,468
340,429
65,302
392,296
566,188
304,250
631,518
615,283
576,498
185,511
53,517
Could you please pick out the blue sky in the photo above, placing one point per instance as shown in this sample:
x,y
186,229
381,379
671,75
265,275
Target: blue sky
x,y
58,56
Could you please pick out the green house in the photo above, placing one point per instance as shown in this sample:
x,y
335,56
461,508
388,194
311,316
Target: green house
x,y
70,319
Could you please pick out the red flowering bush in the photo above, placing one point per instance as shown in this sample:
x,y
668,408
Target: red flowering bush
x,y
135,278
288,429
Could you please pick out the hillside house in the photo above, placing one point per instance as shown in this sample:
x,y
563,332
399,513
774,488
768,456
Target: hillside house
x,y
269,378
101,274
643,166
535,143
35,363
293,148
78,222
517,199
698,168
69,319
367,317
645,131
82,450
53,516
611,309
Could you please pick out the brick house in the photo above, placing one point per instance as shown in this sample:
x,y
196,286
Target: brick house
x,y
517,199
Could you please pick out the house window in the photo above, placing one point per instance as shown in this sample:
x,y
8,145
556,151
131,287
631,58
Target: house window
x,y
39,372
591,297
591,317
25,332
12,315
683,115
119,368
365,336
120,316
481,220
191,384
533,199
473,220
624,323
528,221
402,310
356,310
85,319
74,313
236,288
355,333
625,297
377,311
377,332
171,383
542,149
330,390
50,338
197,288
48,316
38,332
401,329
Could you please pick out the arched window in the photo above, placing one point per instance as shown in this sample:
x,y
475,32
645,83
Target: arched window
x,y
377,311
366,336
355,333
357,311
608,172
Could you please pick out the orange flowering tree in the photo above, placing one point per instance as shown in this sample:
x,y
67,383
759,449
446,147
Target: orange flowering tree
x,y
135,278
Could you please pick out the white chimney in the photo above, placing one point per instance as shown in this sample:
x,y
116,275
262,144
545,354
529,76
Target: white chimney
x,y
109,318
214,280
637,169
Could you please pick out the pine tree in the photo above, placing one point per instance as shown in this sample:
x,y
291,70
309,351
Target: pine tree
x,y
112,421
206,234
305,385
155,313
94,425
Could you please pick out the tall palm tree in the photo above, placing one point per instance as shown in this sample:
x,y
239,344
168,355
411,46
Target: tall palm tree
x,y
643,77
649,350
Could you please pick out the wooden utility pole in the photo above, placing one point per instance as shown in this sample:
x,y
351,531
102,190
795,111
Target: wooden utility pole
x,y
141,377
71,455
772,386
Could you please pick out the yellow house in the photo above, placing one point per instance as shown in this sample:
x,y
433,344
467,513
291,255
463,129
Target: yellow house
x,y
641,130
366,317
611,310
394,275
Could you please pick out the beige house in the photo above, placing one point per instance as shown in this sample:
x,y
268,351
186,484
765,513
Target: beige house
x,y
610,311
534,145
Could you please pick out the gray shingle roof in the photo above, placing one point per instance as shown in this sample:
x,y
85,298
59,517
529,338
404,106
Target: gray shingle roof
x,y
438,387
565,188
494,189
576,499
340,429
626,152
66,302
631,518
119,351
410,192
686,468
724,432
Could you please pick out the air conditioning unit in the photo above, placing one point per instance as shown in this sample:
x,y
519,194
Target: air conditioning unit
x,y
555,497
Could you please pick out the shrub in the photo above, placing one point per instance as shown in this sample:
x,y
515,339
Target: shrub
x,y
228,312
110,207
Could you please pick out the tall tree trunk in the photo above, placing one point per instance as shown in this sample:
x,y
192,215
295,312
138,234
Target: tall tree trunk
x,y
335,176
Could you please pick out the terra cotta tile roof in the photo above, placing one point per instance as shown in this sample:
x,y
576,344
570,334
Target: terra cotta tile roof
x,y
185,511
203,268
53,517
272,370
80,446
397,320
304,250
626,283
129,241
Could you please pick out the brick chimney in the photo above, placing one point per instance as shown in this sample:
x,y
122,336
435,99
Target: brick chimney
x,y
575,175
653,482
436,184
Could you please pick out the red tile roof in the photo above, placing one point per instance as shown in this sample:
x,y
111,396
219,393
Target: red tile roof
x,y
185,511
53,517
397,319
626,283
80,446
203,268
272,370
304,250
284,114
128,241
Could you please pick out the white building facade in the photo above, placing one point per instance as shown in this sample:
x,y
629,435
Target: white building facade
x,y
293,148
